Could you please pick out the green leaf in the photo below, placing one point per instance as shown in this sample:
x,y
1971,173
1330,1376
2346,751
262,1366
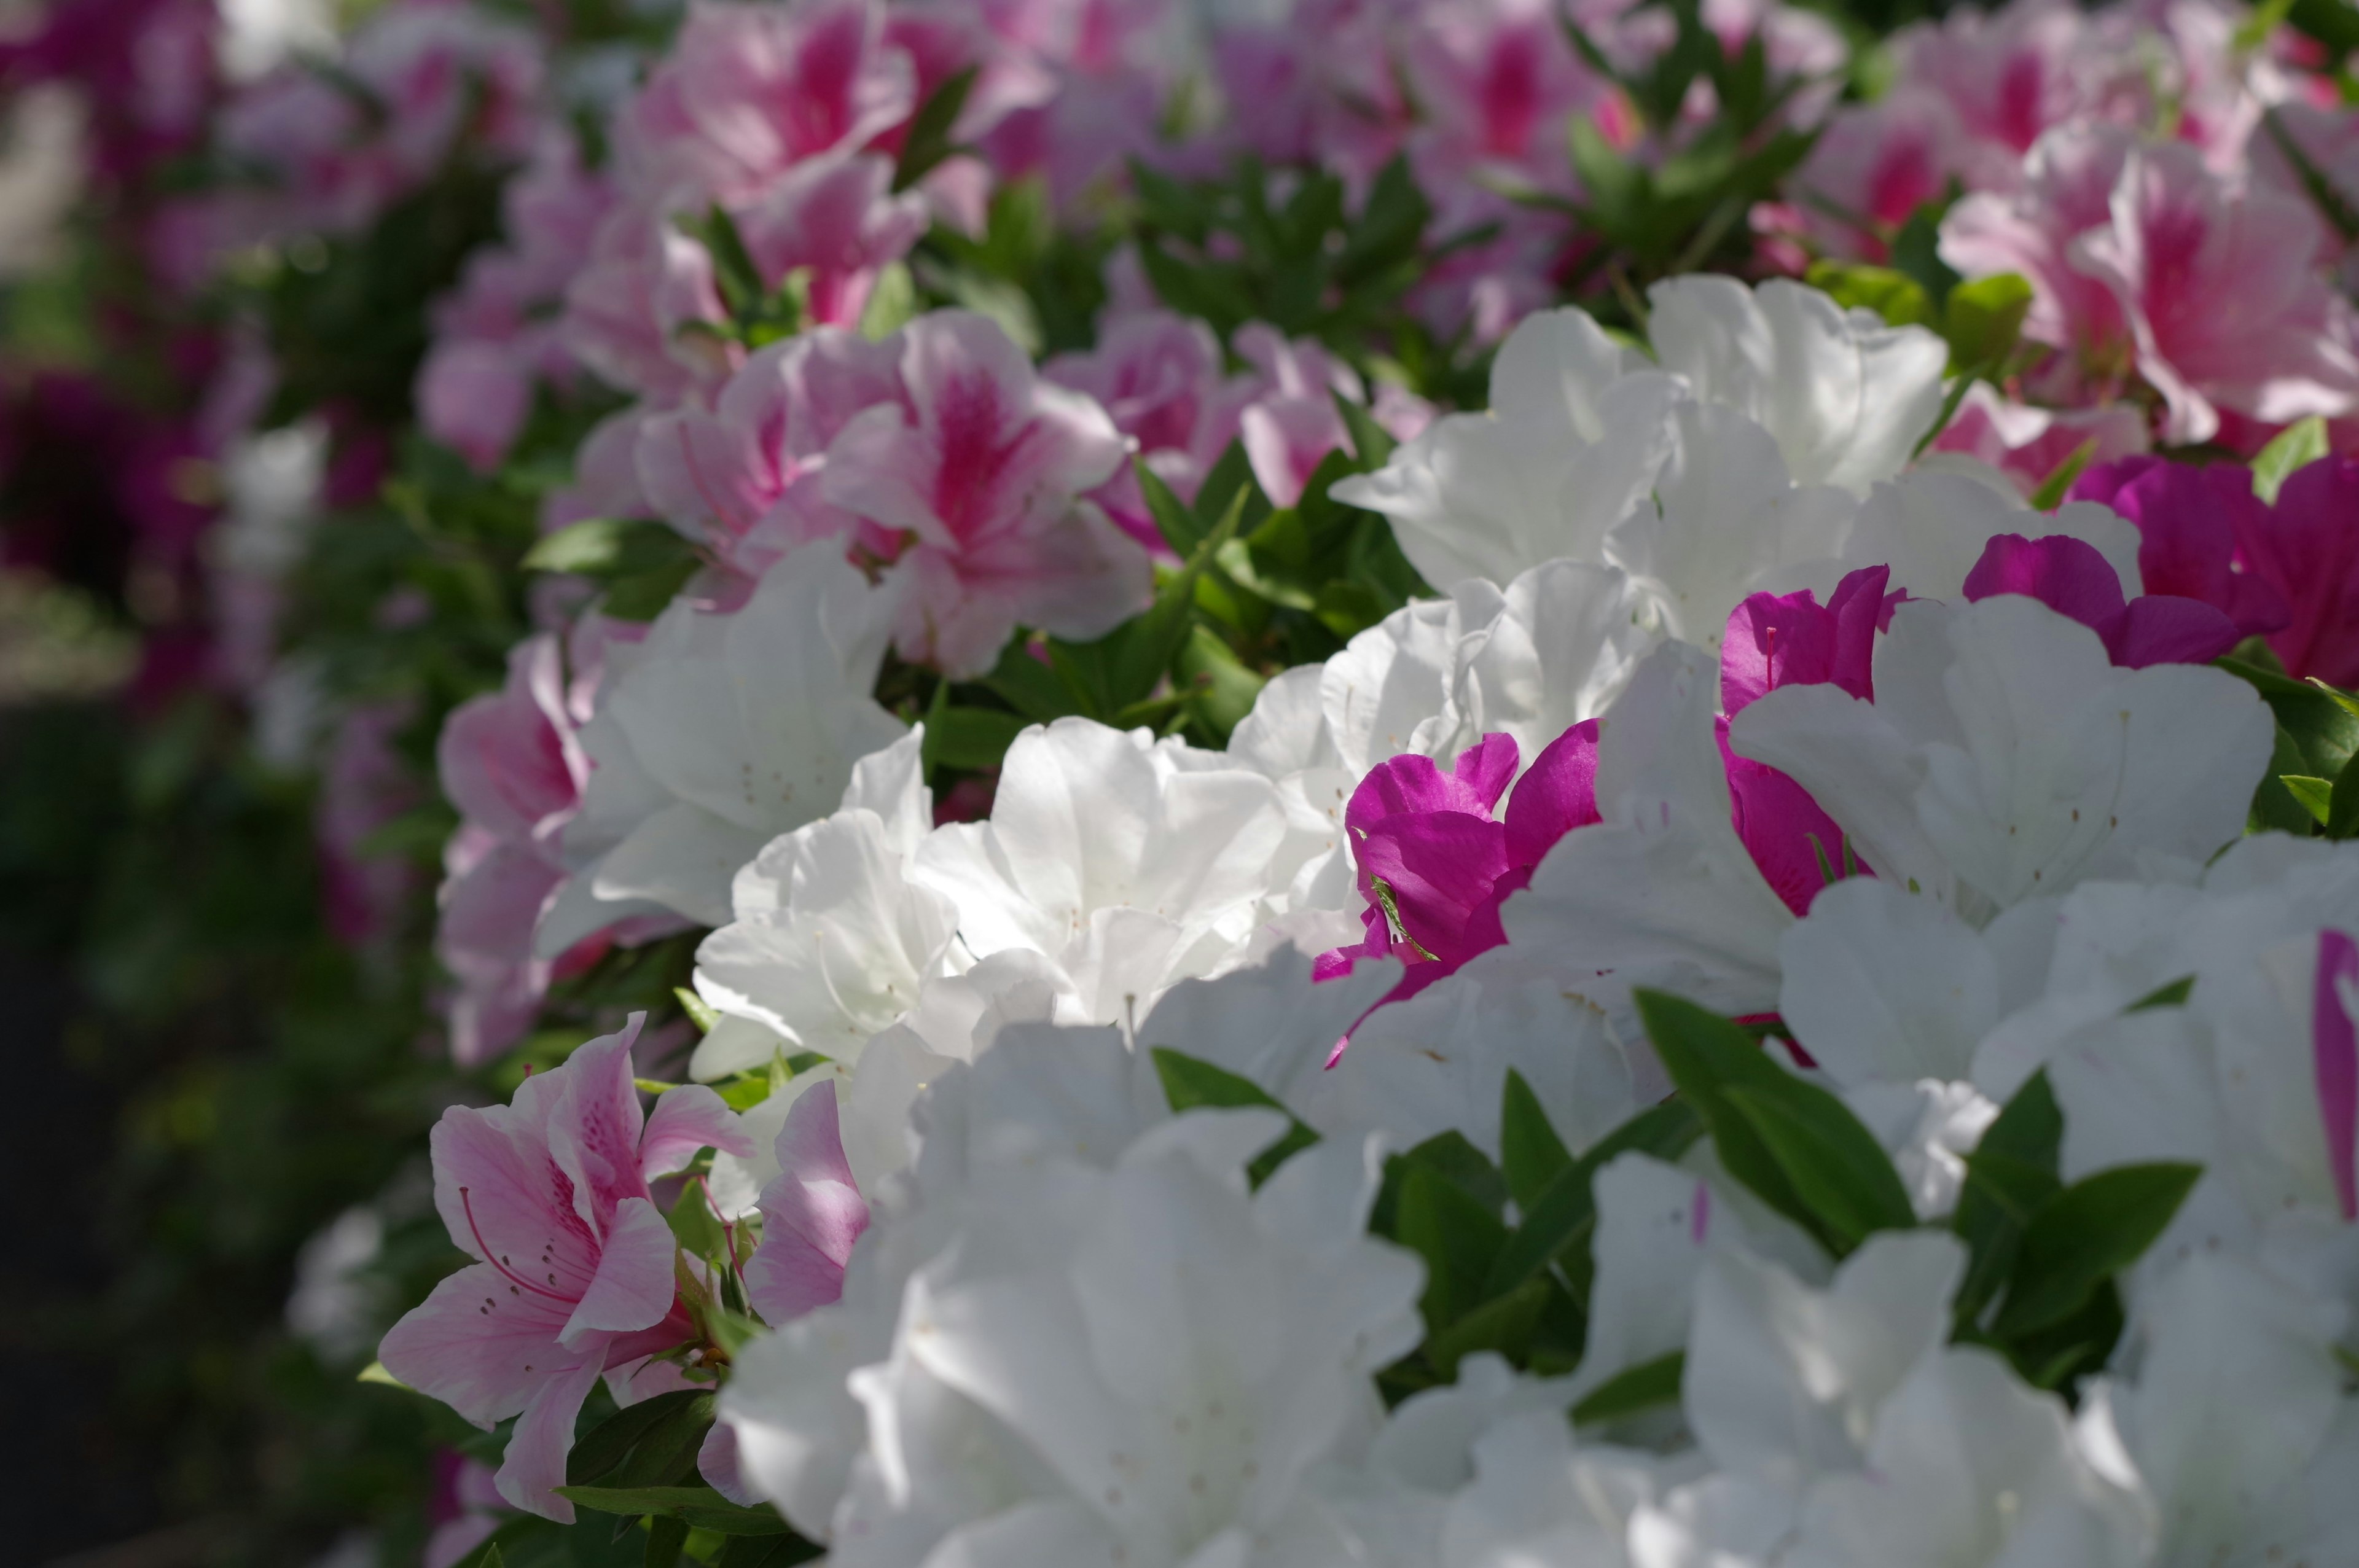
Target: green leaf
x,y
1178,526
1190,1083
2315,796
971,738
892,302
2324,732
1456,1235
699,1507
1530,1153
1501,1323
2010,1175
601,1451
2173,994
642,595
2089,1231
1557,1225
1792,1142
2342,806
2058,482
1222,689
1030,684
700,1012
2296,447
927,141
2344,700
666,1538
1123,666
375,1372
1985,319
1899,298
1643,1387
1917,251
694,1225
607,548
766,1551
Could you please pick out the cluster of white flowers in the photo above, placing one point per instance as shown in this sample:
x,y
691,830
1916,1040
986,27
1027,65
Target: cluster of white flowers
x,y
1075,1327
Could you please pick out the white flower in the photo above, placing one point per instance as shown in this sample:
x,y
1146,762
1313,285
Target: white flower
x,y
722,732
2007,758
1966,1467
2230,1424
1538,1497
831,940
1662,893
1574,435
1846,397
1128,863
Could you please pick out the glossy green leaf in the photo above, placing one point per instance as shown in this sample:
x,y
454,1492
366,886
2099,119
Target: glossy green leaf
x,y
1456,1235
1985,318
2093,1230
699,1507
1641,1388
1557,1225
1189,1082
601,1451
2296,447
2009,1176
927,141
1530,1153
971,737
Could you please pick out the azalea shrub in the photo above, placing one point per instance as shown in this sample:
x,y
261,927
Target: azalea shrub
x,y
1363,782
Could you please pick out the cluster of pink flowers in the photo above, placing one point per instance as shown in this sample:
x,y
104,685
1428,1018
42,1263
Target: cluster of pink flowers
x,y
2123,162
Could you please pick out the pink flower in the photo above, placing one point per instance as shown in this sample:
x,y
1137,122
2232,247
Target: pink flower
x,y
2189,521
363,786
2222,290
465,1511
472,396
1159,378
812,1213
2067,191
750,91
2143,258
634,313
605,475
977,472
2012,75
1292,422
1499,83
2028,444
509,762
839,219
1874,166
745,479
2070,577
576,1269
2307,548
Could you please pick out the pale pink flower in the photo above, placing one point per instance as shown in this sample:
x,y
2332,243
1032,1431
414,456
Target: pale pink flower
x,y
576,1269
605,475
839,219
745,479
1292,423
363,786
1160,379
2028,444
634,314
1499,83
472,396
2012,75
2068,189
749,90
2222,289
509,761
444,73
1874,166
978,471
812,1213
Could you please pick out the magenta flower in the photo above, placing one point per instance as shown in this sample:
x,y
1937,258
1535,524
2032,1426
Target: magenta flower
x,y
2070,577
2191,522
2307,548
976,473
2336,1047
812,1213
576,1272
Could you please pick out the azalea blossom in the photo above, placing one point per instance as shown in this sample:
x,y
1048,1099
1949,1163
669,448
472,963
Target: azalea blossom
x,y
575,1273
